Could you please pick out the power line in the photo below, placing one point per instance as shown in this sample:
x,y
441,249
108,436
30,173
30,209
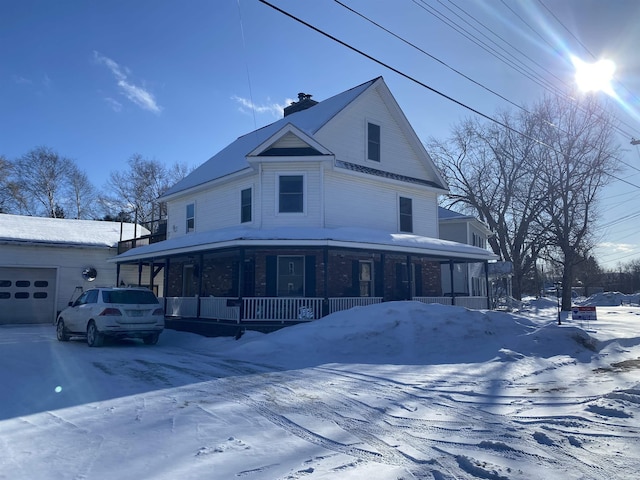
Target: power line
x,y
445,64
402,74
535,77
422,84
582,44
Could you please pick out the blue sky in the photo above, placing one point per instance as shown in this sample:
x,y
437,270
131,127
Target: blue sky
x,y
99,81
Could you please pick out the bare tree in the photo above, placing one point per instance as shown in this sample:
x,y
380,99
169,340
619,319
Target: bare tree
x,y
137,189
534,180
577,161
42,177
7,188
492,173
83,196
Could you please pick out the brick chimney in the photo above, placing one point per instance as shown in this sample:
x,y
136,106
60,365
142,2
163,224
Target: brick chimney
x,y
304,102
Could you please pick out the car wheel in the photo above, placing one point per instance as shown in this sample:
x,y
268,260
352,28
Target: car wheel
x,y
61,332
151,339
94,337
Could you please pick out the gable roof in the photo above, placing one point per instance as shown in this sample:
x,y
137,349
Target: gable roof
x,y
232,159
19,229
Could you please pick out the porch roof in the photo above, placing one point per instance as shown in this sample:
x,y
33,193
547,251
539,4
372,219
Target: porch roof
x,y
343,237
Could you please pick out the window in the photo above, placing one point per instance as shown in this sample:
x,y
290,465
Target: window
x,y
245,205
191,217
406,215
478,241
373,142
290,276
366,278
291,194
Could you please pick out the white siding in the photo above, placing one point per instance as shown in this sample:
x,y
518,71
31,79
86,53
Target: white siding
x,y
312,216
216,208
361,202
69,263
345,136
456,232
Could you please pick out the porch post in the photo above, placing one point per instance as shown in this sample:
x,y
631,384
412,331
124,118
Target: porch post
x,y
199,292
486,283
384,278
165,284
325,259
241,267
409,279
139,272
117,274
151,275
453,294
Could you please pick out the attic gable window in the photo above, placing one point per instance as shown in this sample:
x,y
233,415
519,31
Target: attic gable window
x,y
191,218
373,142
406,215
291,194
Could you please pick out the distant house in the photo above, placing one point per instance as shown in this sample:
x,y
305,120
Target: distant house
x,y
330,207
45,261
463,278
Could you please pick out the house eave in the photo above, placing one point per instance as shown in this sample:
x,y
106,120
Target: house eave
x,y
396,243
206,185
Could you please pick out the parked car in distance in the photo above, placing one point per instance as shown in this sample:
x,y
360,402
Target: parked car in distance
x,y
113,312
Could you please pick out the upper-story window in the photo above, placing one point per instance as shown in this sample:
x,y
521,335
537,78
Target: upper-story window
x,y
478,241
245,205
406,215
373,142
291,194
191,217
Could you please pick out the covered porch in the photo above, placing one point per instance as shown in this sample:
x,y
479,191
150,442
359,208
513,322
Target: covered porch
x,y
267,283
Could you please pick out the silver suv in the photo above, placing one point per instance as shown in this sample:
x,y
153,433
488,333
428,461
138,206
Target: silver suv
x,y
113,312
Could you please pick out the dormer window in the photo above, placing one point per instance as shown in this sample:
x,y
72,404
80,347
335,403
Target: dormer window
x,y
373,142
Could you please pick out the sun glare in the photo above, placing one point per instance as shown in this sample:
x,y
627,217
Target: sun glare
x,y
594,77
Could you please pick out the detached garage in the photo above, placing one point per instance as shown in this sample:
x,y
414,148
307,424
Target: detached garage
x,y
46,262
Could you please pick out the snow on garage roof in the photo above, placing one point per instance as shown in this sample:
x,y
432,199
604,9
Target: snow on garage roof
x,y
62,231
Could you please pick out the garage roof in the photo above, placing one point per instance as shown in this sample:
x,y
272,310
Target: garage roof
x,y
62,231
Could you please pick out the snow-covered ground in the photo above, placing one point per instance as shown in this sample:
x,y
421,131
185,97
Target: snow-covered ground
x,y
394,391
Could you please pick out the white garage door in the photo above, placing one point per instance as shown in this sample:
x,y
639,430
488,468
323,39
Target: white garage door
x,y
27,295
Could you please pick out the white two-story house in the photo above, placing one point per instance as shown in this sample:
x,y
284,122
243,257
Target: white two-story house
x,y
332,206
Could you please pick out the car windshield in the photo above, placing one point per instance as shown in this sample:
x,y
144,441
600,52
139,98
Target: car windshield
x,y
128,296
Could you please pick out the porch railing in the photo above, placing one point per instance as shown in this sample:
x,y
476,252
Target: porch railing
x,y
345,303
182,307
258,309
276,308
474,303
221,308
440,300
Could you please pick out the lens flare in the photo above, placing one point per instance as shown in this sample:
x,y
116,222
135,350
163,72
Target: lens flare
x,y
594,77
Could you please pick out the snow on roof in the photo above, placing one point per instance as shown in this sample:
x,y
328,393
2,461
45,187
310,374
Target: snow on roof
x,y
446,214
232,158
343,237
41,230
